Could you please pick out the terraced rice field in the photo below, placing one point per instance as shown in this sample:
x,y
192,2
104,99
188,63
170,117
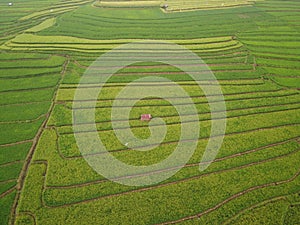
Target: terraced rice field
x,y
173,5
253,50
178,6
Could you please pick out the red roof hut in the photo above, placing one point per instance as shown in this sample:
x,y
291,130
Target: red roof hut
x,y
146,117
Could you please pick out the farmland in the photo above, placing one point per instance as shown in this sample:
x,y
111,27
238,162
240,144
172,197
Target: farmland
x,y
252,48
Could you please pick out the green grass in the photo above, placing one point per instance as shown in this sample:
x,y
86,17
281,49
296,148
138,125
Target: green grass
x,y
252,50
29,96
57,196
37,42
178,6
22,56
11,113
246,201
27,86
292,216
25,219
259,96
163,196
234,125
30,83
67,94
288,82
96,23
28,72
6,187
51,62
14,132
60,169
25,78
14,153
46,24
292,72
266,214
5,206
127,4
11,171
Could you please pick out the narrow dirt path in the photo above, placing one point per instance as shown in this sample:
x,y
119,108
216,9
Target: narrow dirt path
x,y
16,143
7,192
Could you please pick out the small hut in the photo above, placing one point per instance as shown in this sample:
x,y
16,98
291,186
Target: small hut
x,y
165,6
10,4
146,117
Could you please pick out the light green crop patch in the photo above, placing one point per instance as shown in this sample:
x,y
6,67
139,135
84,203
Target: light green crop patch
x,y
46,12
187,5
44,25
55,9
35,42
174,5
127,4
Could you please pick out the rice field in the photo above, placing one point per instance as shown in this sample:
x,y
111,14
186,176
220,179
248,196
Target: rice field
x,y
252,47
179,6
173,5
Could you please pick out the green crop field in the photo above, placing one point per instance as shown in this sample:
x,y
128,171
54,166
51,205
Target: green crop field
x,y
251,47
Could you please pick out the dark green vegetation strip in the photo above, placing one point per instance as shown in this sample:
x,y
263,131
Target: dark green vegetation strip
x,y
23,107
153,24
